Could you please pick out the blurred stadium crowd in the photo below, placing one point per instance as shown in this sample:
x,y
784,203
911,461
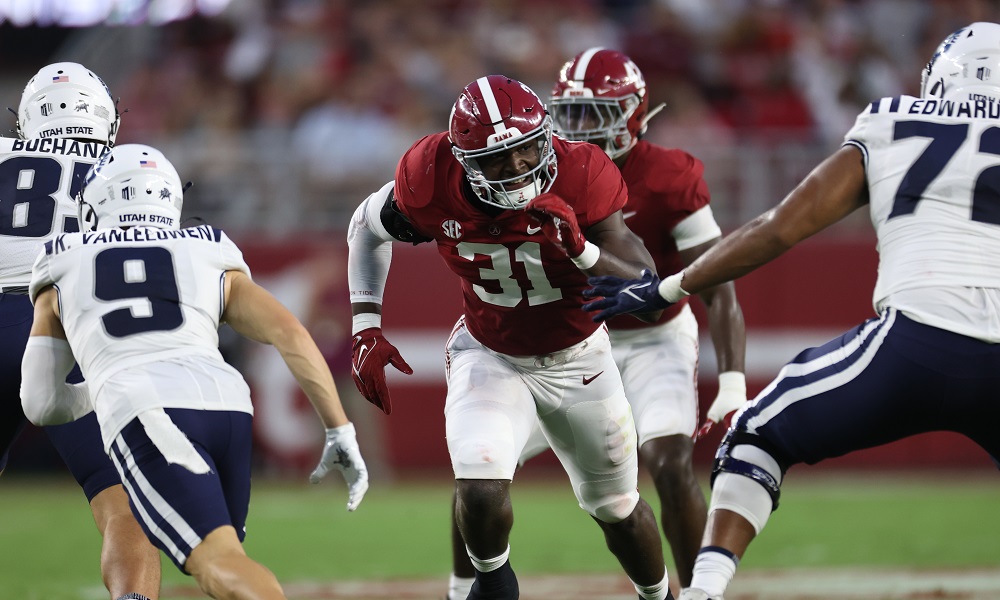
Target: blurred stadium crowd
x,y
289,112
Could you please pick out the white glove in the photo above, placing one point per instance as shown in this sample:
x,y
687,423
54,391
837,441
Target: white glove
x,y
732,396
341,452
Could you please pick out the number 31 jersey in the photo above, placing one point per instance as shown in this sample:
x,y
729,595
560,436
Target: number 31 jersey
x,y
933,171
132,297
38,180
521,294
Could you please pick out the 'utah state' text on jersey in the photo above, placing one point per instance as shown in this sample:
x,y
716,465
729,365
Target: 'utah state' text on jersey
x,y
521,293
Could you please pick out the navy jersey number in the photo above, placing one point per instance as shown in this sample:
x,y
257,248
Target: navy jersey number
x,y
28,188
945,142
146,273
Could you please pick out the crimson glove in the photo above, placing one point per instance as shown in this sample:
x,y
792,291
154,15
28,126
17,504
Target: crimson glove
x,y
371,353
558,223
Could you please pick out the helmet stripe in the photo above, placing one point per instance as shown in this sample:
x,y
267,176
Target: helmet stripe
x,y
580,72
492,109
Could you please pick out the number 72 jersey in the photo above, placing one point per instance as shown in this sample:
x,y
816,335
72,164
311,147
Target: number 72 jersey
x,y
38,180
128,297
933,169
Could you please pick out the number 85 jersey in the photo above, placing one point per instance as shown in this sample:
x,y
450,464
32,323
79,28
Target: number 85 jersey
x,y
933,169
129,297
38,179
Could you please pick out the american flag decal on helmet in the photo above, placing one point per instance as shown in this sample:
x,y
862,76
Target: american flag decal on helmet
x,y
60,79
150,164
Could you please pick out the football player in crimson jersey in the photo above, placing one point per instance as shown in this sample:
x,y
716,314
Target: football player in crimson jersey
x,y
522,218
66,119
600,97
926,168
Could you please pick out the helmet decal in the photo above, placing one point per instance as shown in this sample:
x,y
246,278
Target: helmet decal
x,y
131,185
964,63
67,100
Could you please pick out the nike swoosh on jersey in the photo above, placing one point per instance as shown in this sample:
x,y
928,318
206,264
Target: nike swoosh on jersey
x,y
533,230
587,380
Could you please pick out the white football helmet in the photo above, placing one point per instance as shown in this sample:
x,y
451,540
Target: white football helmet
x,y
67,100
967,61
132,185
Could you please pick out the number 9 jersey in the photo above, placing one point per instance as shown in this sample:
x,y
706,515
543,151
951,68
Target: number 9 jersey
x,y
134,301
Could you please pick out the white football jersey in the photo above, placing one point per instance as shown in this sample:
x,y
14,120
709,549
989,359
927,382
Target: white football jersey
x,y
933,171
143,305
38,179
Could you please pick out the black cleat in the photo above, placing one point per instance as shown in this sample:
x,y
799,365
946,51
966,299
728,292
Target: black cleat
x,y
670,596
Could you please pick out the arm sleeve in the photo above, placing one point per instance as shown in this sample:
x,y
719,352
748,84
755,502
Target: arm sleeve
x,y
696,229
45,396
369,249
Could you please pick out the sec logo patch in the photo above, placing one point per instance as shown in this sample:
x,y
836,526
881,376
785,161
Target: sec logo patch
x,y
452,229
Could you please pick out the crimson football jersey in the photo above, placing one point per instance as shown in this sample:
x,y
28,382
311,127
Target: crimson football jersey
x,y
521,294
665,186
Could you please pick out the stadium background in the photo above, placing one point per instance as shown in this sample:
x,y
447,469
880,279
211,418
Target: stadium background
x,y
286,113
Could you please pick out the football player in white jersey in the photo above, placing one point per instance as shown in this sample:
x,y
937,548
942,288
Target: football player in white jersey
x,y
137,301
65,121
929,170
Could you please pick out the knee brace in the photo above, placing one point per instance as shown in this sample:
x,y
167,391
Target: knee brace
x,y
746,479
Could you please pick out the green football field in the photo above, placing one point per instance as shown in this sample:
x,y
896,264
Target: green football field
x,y
49,547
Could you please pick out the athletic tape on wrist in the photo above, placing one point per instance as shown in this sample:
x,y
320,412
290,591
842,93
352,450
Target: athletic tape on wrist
x,y
588,257
363,321
733,380
670,288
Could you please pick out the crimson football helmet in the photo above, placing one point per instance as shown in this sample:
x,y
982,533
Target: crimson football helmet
x,y
67,100
494,116
966,61
600,97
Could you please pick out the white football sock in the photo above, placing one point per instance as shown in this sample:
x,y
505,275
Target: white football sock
x,y
657,591
713,570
